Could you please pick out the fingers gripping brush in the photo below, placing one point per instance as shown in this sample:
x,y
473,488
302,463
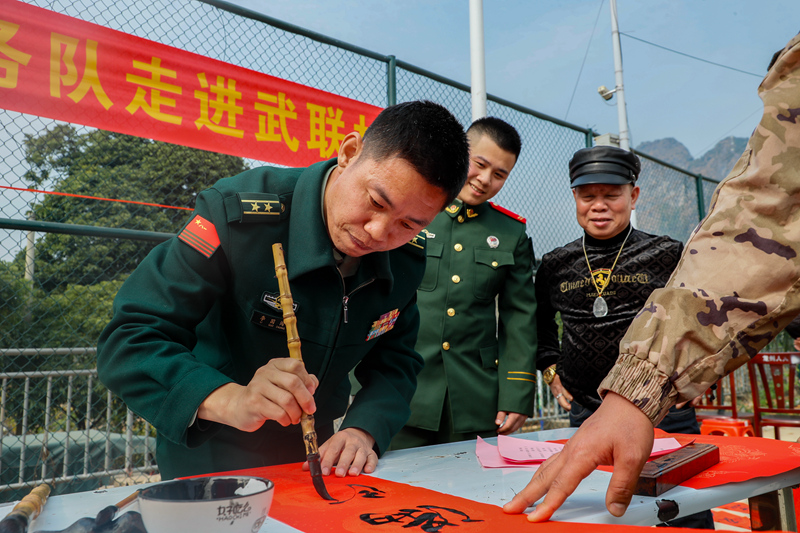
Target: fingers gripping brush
x,y
293,342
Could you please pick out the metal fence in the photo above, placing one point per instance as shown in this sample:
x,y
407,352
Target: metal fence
x,y
63,256
59,426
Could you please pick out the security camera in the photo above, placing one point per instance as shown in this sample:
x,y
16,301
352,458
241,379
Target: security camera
x,y
605,94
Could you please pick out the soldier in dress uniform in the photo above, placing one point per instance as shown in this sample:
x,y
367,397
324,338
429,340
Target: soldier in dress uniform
x,y
197,344
477,307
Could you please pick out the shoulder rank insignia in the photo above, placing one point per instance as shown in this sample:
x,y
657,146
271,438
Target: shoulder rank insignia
x,y
417,244
260,207
201,235
383,324
506,212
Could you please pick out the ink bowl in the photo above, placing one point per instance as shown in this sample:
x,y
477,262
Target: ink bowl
x,y
229,504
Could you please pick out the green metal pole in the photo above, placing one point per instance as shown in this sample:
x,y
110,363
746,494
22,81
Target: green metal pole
x,y
391,81
701,207
84,231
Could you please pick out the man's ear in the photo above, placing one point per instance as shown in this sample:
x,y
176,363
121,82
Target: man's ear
x,y
634,196
350,148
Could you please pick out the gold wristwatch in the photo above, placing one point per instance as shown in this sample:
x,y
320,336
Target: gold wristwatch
x,y
549,374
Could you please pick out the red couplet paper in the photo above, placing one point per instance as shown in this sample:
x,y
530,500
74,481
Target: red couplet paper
x,y
369,504
740,458
743,458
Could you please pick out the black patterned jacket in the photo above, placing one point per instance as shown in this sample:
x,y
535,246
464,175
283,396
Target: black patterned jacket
x,y
590,345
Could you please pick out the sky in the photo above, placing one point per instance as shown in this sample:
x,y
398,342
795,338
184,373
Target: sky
x,y
551,55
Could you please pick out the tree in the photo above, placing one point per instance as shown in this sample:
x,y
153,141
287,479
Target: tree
x,y
118,167
76,277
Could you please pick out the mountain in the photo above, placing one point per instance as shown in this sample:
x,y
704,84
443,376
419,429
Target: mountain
x,y
715,164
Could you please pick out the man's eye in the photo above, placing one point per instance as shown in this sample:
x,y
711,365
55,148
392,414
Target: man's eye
x,y
407,225
374,203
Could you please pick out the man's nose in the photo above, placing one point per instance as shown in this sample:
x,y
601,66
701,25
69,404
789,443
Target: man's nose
x,y
378,229
484,176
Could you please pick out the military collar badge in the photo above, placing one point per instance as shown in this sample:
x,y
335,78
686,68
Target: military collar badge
x,y
418,242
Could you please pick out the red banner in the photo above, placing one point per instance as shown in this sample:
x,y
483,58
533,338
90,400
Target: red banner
x,y
63,68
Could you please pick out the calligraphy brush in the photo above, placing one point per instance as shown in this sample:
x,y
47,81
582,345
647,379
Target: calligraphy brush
x,y
26,510
293,342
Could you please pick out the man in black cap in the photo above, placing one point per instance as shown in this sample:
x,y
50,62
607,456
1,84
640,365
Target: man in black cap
x,y
599,283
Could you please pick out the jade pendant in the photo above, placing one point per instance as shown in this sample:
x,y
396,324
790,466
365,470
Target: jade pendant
x,y
600,308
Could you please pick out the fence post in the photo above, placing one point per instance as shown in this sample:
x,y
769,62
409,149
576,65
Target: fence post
x,y
391,81
701,207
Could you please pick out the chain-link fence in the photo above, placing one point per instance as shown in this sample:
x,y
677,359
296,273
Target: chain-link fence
x,y
63,255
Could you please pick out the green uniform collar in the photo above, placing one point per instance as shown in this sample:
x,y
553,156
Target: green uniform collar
x,y
307,226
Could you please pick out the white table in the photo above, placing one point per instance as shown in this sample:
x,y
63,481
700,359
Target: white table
x,y
454,469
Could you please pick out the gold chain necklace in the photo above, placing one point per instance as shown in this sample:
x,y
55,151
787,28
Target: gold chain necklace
x,y
600,307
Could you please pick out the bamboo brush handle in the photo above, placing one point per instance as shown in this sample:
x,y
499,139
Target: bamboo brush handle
x,y
31,505
287,303
293,338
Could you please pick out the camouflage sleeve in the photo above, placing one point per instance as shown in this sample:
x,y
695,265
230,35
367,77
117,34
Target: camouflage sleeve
x,y
737,284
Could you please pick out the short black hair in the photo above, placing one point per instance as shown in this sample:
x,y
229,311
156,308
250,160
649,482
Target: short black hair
x,y
428,137
501,132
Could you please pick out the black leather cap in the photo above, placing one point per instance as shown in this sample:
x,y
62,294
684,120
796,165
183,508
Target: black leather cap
x,y
603,164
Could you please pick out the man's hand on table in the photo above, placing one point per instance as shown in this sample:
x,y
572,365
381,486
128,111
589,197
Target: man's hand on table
x,y
281,390
617,434
508,423
350,451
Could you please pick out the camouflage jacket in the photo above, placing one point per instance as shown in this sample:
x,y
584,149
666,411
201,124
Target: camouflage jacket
x,y
738,282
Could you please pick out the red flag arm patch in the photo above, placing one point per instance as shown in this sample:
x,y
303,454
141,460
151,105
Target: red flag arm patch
x,y
201,235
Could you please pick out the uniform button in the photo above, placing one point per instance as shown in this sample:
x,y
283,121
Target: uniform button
x,y
445,346
458,247
461,218
494,264
451,312
456,279
496,362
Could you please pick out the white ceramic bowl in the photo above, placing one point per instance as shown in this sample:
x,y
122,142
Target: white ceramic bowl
x,y
225,504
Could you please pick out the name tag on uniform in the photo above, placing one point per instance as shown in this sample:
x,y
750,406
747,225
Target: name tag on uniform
x,y
265,321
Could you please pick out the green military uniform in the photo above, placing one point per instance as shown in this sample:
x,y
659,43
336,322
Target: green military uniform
x,y
201,311
736,286
479,355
